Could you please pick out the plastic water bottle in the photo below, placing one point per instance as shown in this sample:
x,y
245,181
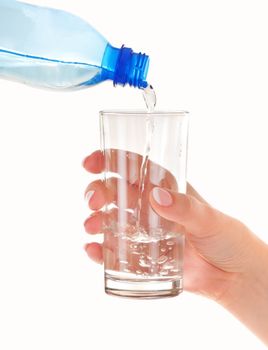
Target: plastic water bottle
x,y
54,49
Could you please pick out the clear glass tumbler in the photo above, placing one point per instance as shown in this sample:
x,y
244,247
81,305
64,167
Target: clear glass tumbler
x,y
143,253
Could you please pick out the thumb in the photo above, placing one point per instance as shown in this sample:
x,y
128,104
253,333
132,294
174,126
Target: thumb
x,y
197,217
221,239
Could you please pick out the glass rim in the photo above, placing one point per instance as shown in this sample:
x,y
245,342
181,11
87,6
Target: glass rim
x,y
160,113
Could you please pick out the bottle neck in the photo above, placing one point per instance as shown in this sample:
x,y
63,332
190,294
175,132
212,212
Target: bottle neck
x,y
124,66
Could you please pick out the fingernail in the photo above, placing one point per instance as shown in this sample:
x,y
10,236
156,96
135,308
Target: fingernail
x,y
83,162
162,197
89,195
85,222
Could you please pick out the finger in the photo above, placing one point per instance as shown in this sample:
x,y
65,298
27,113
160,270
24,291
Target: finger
x,y
101,222
93,224
94,163
220,238
128,166
198,218
94,251
97,195
113,190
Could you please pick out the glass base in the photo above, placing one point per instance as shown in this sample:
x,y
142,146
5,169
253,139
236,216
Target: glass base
x,y
143,288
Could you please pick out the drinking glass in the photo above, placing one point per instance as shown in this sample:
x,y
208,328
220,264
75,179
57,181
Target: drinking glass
x,y
143,252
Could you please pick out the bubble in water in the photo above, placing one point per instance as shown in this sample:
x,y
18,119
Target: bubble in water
x,y
144,263
167,266
133,246
170,264
140,237
135,253
174,270
170,243
123,262
163,273
162,259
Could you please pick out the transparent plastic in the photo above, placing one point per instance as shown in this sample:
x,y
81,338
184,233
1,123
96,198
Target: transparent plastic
x,y
54,49
143,253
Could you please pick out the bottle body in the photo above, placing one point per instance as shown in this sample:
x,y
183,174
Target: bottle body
x,y
54,49
47,47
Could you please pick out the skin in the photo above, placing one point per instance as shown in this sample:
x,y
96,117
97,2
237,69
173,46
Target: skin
x,y
223,260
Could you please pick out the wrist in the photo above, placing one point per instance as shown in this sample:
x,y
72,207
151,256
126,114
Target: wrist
x,y
247,295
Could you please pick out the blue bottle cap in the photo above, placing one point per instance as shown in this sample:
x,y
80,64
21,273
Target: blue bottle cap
x,y
124,66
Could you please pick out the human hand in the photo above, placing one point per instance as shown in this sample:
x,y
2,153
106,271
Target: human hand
x,y
222,256
100,193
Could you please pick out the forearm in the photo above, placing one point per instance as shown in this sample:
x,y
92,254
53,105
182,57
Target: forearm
x,y
247,297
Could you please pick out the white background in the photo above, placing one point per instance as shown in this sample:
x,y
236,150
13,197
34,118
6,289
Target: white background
x,y
208,57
